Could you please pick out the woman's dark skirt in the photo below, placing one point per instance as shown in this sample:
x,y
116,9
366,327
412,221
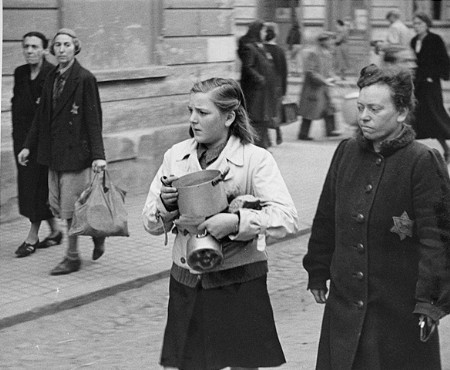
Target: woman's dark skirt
x,y
32,188
431,120
226,326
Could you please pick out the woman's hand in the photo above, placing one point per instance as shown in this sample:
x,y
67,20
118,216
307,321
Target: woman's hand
x,y
169,194
22,157
320,295
220,225
98,165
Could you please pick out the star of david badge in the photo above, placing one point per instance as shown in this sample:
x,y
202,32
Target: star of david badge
x,y
403,226
74,109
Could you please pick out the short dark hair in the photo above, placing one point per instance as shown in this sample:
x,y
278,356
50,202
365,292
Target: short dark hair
x,y
270,33
39,35
340,22
398,79
424,17
227,96
254,30
393,13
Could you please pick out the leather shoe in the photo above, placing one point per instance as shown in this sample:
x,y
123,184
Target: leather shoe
x,y
99,248
51,241
25,249
304,137
66,267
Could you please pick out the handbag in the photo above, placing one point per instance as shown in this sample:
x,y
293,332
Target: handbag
x,y
289,113
100,210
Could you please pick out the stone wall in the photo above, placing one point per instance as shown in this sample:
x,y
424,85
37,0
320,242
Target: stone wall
x,y
144,104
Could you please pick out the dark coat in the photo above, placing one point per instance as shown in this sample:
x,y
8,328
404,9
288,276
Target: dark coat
x,y
258,82
381,274
32,185
69,137
279,60
315,100
433,64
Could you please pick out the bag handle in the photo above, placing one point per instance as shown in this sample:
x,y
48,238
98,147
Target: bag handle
x,y
105,188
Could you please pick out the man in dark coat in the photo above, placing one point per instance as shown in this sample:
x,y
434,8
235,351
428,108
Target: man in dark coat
x,y
258,81
280,64
32,183
67,137
381,235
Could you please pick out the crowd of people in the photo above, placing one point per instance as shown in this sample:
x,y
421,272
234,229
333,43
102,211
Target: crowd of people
x,y
379,252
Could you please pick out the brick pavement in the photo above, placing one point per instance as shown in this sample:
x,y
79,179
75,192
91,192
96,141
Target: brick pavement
x,y
28,291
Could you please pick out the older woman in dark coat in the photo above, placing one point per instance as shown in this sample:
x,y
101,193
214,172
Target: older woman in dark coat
x,y
32,185
381,235
432,121
258,81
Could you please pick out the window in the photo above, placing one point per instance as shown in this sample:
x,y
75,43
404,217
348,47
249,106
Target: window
x,y
432,7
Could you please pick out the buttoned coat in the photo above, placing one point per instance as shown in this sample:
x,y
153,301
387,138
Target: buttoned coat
x,y
315,100
381,236
32,183
69,137
252,170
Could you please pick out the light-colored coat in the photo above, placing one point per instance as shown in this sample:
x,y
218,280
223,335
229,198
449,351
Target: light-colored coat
x,y
315,101
252,171
398,34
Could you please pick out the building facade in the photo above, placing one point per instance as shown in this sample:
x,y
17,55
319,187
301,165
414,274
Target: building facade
x,y
146,54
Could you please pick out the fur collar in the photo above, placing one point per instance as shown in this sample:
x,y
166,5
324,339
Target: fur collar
x,y
388,147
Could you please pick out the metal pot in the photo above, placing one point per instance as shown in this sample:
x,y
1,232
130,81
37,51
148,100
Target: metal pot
x,y
201,194
204,252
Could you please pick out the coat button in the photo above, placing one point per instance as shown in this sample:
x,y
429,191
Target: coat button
x,y
183,260
369,188
70,123
359,304
360,247
360,218
359,275
378,161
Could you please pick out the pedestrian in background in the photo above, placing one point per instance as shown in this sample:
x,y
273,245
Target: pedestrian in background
x,y
32,181
381,235
222,317
66,135
432,120
294,41
342,57
279,60
398,33
315,97
258,81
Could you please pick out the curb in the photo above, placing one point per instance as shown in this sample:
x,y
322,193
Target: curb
x,y
103,293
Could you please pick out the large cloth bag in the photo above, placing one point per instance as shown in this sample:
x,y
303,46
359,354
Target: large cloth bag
x,y
100,210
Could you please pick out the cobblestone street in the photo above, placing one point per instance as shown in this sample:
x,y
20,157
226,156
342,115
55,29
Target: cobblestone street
x,y
124,331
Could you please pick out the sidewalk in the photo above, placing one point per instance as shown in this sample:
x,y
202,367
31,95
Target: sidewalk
x,y
28,291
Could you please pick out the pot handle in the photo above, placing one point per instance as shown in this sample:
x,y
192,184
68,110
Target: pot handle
x,y
203,234
221,177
